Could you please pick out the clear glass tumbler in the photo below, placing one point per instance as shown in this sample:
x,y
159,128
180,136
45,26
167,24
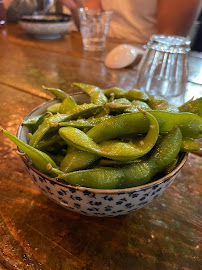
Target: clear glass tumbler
x,y
163,69
94,25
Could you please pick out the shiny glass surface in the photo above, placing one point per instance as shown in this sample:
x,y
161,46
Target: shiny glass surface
x,y
94,25
164,68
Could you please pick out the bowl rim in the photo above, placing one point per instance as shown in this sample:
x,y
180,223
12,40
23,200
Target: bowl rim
x,y
64,18
181,162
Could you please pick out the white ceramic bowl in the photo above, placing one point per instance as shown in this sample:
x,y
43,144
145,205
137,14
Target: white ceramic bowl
x,y
46,26
95,202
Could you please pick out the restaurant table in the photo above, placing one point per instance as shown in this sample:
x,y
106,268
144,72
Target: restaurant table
x,y
38,234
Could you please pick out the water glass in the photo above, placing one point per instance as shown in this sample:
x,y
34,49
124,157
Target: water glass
x,y
94,25
163,69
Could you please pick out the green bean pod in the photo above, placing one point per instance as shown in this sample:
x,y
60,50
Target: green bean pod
x,y
137,123
138,104
67,105
189,145
132,175
33,120
84,110
60,94
113,149
40,159
95,93
55,108
133,94
114,91
119,105
77,160
136,94
156,102
45,127
192,106
84,123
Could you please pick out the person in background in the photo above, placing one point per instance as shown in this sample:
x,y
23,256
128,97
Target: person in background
x,y
137,20
17,8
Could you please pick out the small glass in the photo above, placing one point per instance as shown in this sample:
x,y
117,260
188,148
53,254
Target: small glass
x,y
94,25
163,69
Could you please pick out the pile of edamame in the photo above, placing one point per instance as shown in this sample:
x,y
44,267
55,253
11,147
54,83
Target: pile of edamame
x,y
120,139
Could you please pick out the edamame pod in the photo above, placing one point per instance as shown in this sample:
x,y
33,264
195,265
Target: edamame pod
x,y
131,175
45,127
136,123
84,123
156,102
119,105
192,106
60,94
95,93
113,149
67,105
55,108
41,160
84,110
189,145
77,160
133,94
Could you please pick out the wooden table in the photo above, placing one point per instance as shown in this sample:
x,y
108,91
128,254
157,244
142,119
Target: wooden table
x,y
36,233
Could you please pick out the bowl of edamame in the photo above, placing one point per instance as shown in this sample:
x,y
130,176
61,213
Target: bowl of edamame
x,y
107,152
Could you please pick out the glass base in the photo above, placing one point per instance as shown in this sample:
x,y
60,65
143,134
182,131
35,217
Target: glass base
x,y
93,48
93,44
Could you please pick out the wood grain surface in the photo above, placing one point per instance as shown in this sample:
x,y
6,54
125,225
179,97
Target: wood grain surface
x,y
38,234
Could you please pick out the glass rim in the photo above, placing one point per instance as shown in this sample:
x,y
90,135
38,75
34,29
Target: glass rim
x,y
95,10
172,40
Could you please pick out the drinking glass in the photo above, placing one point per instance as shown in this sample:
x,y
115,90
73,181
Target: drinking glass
x,y
163,69
94,24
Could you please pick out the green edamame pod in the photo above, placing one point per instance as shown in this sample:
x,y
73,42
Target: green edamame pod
x,y
100,178
131,175
114,91
67,105
55,108
189,145
158,103
84,110
130,95
95,93
84,123
113,149
192,106
136,123
171,166
52,140
60,94
45,127
77,160
41,160
136,94
138,104
104,112
33,120
119,105
116,163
